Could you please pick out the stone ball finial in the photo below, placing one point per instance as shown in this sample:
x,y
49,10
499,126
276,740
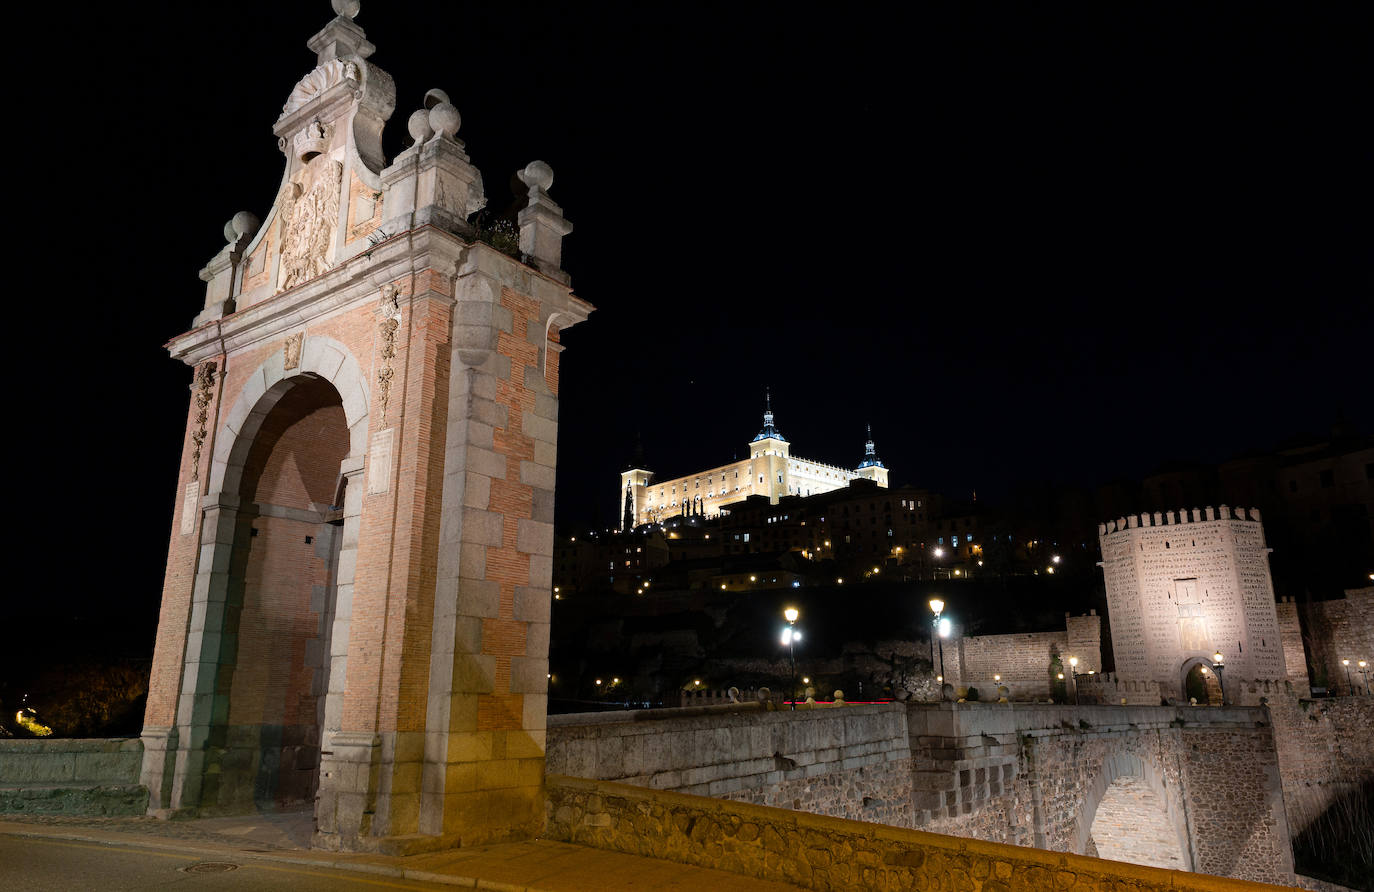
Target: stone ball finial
x,y
244,223
434,97
346,8
445,120
418,125
537,175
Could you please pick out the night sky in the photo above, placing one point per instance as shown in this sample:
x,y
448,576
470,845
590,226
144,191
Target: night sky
x,y
1026,244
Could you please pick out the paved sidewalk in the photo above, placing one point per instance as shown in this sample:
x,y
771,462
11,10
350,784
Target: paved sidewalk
x,y
535,866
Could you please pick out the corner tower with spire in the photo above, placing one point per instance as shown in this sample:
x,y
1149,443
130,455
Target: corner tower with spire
x,y
871,467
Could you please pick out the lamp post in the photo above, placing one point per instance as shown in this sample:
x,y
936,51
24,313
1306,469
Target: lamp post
x,y
1364,673
790,637
938,631
1349,689
1073,668
1218,664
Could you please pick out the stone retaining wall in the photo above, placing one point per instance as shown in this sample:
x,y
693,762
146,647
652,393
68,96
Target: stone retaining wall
x,y
851,761
71,777
826,853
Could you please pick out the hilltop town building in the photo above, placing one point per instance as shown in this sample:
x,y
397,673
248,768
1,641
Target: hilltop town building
x,y
770,470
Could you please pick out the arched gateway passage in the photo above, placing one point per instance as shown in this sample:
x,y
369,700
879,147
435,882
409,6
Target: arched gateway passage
x,y
280,598
267,646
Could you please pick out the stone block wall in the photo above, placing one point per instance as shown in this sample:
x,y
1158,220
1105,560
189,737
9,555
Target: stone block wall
x,y
1324,752
824,853
1024,660
850,761
71,777
1341,629
1294,652
1033,774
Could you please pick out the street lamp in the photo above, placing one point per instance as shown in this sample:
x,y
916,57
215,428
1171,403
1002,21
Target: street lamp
x,y
1364,673
937,632
1348,688
1073,668
790,637
1218,664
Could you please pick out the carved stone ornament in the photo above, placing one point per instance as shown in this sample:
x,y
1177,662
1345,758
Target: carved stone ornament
x,y
317,82
291,351
309,211
388,324
203,388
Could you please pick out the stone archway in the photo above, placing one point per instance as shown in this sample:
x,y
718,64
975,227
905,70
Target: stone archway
x,y
267,649
1129,815
1200,684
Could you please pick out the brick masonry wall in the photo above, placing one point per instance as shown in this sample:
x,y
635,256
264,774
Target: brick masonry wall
x,y
825,853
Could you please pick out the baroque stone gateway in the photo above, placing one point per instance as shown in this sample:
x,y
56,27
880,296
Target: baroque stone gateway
x,y
356,604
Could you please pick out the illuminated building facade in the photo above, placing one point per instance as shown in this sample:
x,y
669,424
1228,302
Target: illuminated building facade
x,y
770,470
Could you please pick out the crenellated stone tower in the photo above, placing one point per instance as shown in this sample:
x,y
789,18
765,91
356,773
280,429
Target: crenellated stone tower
x,y
356,605
1181,588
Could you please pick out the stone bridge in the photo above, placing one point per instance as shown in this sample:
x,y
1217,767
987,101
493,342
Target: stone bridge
x,y
1191,788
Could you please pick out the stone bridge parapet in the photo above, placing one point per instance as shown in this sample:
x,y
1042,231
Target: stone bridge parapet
x,y
1025,774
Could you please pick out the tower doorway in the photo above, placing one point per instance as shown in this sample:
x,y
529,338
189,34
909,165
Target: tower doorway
x,y
1200,685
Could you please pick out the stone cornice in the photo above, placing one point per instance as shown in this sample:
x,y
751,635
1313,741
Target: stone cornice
x,y
357,279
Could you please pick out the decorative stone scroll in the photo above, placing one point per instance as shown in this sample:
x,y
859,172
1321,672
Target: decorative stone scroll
x,y
389,322
309,211
318,82
203,387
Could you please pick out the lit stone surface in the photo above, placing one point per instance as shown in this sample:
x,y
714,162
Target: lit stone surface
x,y
339,620
1130,825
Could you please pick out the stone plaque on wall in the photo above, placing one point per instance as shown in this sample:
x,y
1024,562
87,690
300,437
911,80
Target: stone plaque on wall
x,y
379,462
190,505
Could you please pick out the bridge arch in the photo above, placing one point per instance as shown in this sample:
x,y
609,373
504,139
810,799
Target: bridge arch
x,y
1128,784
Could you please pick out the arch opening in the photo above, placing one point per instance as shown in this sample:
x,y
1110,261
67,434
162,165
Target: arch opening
x,y
280,601
1131,825
1200,685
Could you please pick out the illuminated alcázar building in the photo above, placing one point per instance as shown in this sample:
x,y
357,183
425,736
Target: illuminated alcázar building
x,y
770,470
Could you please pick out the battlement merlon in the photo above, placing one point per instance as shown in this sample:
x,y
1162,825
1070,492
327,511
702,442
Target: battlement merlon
x,y
1170,518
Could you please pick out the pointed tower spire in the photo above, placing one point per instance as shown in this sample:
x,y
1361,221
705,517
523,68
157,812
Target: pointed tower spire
x,y
870,453
768,429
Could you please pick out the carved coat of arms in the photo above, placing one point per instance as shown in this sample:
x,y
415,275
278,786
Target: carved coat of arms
x,y
309,211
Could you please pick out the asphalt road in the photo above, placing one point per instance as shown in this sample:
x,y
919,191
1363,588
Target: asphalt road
x,y
41,865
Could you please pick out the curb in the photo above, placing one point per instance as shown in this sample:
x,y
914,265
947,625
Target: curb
x,y
116,840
